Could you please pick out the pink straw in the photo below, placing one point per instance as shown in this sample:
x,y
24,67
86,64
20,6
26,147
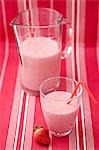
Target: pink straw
x,y
86,88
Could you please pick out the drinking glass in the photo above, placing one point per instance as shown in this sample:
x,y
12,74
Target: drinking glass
x,y
59,109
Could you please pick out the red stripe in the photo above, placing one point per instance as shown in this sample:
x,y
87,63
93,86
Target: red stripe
x,y
44,3
60,143
7,92
2,53
2,38
93,82
30,123
6,95
27,4
11,12
21,123
60,6
38,121
63,68
91,62
80,130
91,23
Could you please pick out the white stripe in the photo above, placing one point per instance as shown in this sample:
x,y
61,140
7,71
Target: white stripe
x,y
14,115
73,75
24,122
6,44
78,67
20,5
68,10
35,4
50,146
69,65
51,4
87,122
72,139
73,20
24,4
18,41
34,17
31,14
30,4
51,15
16,34
72,54
18,121
30,123
82,75
69,58
77,134
83,125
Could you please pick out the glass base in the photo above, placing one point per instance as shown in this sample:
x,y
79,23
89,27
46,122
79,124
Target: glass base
x,y
31,92
61,134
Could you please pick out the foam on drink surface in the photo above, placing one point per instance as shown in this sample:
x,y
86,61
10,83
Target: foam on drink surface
x,y
39,47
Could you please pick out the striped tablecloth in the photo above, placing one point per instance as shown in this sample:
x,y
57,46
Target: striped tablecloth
x,y
19,112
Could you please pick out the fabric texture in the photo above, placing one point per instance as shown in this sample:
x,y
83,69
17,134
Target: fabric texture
x,y
20,112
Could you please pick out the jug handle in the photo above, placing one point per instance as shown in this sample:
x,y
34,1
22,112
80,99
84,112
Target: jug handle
x,y
68,48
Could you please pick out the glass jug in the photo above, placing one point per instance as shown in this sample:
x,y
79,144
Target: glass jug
x,y
38,34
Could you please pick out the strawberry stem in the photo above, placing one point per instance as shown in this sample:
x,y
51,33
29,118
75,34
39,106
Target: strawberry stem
x,y
37,127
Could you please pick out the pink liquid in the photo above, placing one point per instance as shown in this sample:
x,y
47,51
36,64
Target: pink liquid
x,y
60,116
41,59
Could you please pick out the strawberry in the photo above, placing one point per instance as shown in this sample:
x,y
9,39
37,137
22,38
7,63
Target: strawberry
x,y
41,135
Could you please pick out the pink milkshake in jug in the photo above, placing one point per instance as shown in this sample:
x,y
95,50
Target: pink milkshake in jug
x,y
41,59
38,34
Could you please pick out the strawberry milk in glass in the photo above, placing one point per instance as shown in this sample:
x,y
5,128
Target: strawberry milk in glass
x,y
39,38
60,115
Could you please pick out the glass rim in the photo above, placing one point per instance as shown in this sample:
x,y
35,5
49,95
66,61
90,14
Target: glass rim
x,y
62,77
12,23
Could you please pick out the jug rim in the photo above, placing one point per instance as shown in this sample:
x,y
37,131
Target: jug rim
x,y
58,21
